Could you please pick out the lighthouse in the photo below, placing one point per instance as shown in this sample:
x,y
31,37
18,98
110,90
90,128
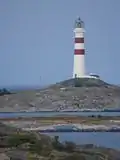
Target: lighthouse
x,y
79,50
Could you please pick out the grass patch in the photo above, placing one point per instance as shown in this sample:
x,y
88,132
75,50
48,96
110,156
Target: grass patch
x,y
95,121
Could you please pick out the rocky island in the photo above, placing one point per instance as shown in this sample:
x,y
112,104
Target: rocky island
x,y
65,123
69,95
22,145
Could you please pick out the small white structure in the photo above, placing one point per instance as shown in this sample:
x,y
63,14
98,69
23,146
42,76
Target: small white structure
x,y
79,50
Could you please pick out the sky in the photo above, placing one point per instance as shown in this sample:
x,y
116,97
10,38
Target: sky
x,y
37,40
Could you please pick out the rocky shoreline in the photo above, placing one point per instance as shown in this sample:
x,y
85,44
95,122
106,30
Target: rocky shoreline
x,y
75,128
24,145
65,124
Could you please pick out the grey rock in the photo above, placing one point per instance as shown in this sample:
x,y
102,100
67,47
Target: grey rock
x,y
62,97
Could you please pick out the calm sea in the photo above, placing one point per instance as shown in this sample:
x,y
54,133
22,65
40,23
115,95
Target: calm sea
x,y
106,139
46,114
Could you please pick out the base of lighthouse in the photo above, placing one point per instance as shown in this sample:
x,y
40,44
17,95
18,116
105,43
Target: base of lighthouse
x,y
79,66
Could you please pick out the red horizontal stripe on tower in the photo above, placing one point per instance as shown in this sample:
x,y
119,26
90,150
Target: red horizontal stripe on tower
x,y
79,52
79,40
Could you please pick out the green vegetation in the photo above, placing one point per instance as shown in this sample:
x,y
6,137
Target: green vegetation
x,y
75,156
84,82
17,139
89,82
41,147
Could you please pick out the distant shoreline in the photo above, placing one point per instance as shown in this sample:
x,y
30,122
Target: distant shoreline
x,y
68,124
68,111
80,131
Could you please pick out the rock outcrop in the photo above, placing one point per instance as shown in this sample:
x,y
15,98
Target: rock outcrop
x,y
34,146
73,94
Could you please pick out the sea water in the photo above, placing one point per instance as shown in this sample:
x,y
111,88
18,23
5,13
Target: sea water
x,y
53,114
105,139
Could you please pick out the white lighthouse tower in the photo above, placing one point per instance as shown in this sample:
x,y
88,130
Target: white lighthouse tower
x,y
79,50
